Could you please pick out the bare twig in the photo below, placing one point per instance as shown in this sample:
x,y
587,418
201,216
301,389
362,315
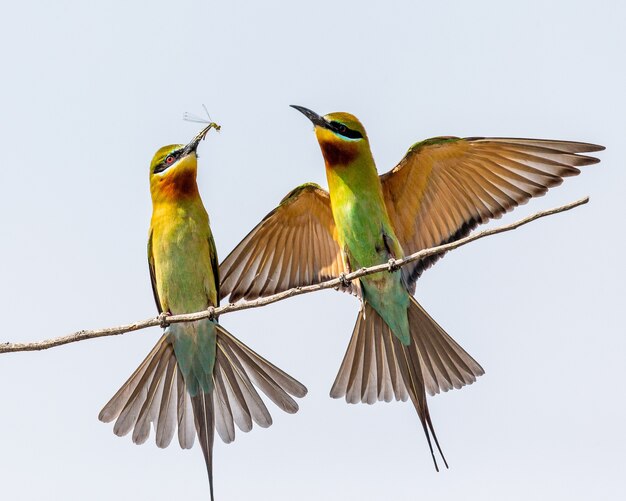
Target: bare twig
x,y
244,305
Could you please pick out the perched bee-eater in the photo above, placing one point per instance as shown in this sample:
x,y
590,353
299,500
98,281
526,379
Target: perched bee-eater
x,y
198,376
442,189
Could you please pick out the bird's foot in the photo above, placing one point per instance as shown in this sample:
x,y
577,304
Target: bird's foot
x,y
344,282
211,310
392,265
163,322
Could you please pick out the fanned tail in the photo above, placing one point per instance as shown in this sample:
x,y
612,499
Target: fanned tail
x,y
157,393
445,365
154,393
377,366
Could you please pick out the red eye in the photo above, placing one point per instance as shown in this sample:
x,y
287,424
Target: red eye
x,y
169,160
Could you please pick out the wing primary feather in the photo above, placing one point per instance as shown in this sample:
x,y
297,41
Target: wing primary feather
x,y
255,281
284,279
246,280
293,245
511,173
445,186
269,272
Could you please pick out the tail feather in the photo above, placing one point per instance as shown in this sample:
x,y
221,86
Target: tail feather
x,y
129,411
383,376
369,379
204,415
445,364
279,384
264,377
378,366
150,408
342,381
224,422
412,374
354,380
184,413
166,424
157,393
245,402
113,408
395,381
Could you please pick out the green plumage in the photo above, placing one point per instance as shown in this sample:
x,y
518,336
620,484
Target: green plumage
x,y
182,257
194,346
437,193
368,238
198,379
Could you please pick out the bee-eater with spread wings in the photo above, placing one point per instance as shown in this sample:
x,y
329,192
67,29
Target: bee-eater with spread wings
x,y
442,189
198,376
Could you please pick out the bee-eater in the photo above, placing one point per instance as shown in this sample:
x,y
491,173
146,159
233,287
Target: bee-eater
x,y
198,376
441,190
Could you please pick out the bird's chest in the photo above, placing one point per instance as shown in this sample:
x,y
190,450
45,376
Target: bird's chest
x,y
365,234
182,264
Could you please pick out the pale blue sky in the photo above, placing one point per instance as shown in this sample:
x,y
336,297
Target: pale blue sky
x,y
91,89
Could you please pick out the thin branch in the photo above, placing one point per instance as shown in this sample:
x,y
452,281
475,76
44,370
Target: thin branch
x,y
393,264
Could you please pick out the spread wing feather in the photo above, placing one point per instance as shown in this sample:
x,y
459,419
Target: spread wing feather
x,y
294,245
444,187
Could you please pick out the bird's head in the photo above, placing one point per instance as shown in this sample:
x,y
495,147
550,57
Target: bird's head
x,y
341,136
173,169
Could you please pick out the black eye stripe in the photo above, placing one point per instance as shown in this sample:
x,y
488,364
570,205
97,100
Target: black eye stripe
x,y
342,129
163,165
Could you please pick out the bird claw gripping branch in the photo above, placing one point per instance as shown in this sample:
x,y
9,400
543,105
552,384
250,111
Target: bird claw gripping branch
x,y
393,265
162,318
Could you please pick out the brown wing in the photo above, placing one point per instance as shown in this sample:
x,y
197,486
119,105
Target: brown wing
x,y
444,187
294,245
155,292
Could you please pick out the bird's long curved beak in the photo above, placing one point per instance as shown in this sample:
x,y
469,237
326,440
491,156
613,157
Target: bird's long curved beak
x,y
311,115
193,144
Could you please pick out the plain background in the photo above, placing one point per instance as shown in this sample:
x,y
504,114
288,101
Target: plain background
x,y
91,89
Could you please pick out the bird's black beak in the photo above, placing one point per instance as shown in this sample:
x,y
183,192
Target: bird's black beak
x,y
193,144
311,115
